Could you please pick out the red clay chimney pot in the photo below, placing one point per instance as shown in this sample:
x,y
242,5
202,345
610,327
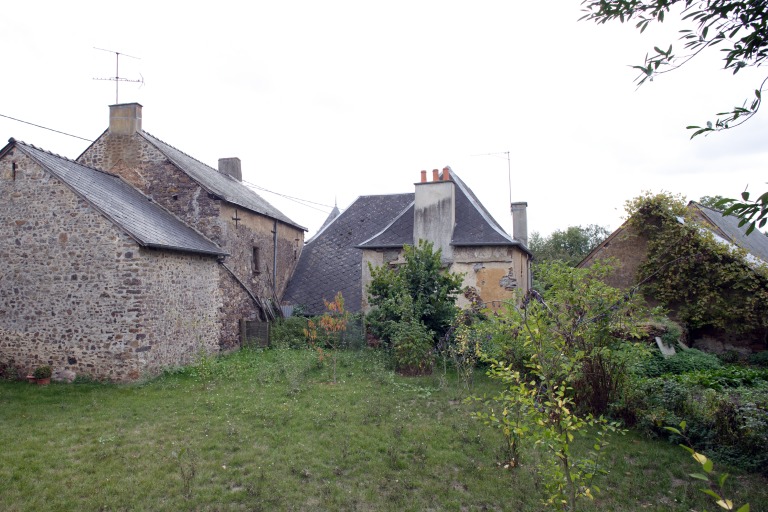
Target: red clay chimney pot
x,y
423,176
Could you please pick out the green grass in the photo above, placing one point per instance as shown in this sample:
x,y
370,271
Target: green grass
x,y
265,430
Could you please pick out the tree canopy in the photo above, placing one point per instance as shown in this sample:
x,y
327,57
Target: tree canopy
x,y
739,29
569,246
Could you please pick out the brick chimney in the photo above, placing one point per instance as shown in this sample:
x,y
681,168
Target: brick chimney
x,y
124,119
434,214
232,167
520,222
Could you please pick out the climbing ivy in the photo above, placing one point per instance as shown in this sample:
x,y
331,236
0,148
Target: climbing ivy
x,y
707,282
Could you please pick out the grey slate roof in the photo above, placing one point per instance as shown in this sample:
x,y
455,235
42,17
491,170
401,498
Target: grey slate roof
x,y
219,184
474,225
330,262
130,210
755,243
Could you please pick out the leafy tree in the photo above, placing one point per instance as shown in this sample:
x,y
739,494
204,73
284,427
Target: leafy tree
x,y
569,246
573,340
711,201
420,283
739,28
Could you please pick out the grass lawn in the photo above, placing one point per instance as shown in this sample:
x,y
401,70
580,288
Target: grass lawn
x,y
266,430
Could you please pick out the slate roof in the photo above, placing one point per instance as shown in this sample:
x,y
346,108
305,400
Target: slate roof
x,y
127,208
331,262
219,184
474,225
755,243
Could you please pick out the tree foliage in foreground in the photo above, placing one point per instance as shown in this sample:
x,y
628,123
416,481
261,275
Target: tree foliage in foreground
x,y
739,29
569,246
563,356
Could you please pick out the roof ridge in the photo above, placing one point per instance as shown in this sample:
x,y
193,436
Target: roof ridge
x,y
144,132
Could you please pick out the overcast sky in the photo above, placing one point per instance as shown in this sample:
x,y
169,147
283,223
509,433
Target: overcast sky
x,y
327,101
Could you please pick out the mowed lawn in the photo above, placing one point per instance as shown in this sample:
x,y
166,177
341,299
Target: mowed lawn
x,y
268,430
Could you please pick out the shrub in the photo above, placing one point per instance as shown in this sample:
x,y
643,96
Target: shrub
x,y
759,359
288,332
682,362
413,347
732,424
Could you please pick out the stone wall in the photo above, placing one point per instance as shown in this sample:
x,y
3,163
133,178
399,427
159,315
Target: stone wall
x,y
238,231
79,294
627,249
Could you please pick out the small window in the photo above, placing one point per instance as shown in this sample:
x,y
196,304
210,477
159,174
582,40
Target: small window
x,y
255,261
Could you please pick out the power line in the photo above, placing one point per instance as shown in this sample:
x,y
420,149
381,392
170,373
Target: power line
x,y
46,128
303,202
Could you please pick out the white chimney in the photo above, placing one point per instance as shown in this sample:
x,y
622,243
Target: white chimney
x,y
434,213
520,222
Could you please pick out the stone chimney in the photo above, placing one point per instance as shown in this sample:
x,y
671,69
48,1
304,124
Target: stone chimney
x,y
434,214
520,222
232,167
124,119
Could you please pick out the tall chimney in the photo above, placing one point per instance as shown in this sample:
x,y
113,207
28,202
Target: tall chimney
x,y
520,222
232,167
124,119
423,176
434,214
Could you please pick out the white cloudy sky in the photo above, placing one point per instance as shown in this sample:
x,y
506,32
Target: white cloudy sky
x,y
327,101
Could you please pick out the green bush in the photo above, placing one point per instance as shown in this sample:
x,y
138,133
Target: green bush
x,y
413,347
759,359
727,377
731,423
729,357
682,362
288,332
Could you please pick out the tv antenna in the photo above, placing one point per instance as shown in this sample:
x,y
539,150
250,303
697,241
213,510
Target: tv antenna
x,y
117,78
509,169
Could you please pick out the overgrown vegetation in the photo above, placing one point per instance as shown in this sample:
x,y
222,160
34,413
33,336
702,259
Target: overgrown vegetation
x,y
705,281
266,432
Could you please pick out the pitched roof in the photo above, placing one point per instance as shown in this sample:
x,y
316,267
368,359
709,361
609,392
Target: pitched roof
x,y
127,208
217,183
331,262
474,225
755,243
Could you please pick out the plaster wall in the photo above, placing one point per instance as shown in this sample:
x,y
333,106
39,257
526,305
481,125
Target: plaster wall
x,y
434,215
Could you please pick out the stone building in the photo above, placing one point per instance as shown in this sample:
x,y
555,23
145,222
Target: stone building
x,y
627,249
98,279
374,230
134,257
263,245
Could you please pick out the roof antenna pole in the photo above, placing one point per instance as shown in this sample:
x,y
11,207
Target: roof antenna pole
x,y
509,168
117,79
